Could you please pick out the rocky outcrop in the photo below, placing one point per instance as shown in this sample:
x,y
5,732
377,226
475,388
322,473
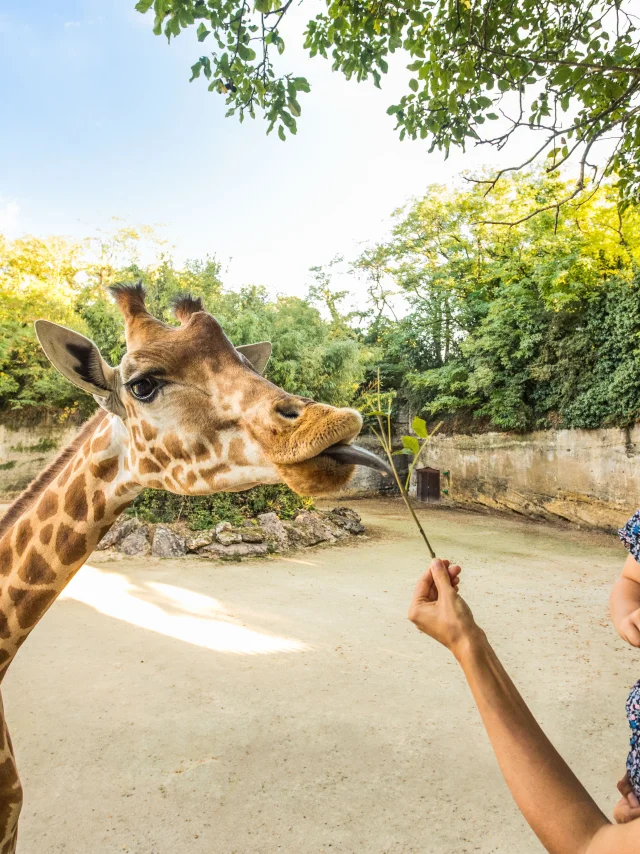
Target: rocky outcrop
x,y
117,533
234,550
227,542
166,543
275,532
226,535
136,543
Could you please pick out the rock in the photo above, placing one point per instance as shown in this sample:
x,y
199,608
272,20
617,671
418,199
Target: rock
x,y
166,543
347,519
300,536
136,543
199,539
118,531
313,528
234,551
274,531
254,534
226,535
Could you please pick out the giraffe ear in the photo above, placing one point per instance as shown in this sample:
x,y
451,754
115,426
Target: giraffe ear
x,y
257,354
77,358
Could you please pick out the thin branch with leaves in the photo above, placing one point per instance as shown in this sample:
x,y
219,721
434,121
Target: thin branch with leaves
x,y
378,406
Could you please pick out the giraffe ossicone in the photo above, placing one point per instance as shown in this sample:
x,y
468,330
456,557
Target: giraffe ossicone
x,y
185,411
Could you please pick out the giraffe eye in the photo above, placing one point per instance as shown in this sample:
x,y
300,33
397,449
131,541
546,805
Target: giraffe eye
x,y
145,388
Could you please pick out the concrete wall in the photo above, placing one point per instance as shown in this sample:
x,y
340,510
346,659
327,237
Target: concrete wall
x,y
590,477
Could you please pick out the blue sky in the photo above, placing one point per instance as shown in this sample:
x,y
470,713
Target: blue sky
x,y
101,121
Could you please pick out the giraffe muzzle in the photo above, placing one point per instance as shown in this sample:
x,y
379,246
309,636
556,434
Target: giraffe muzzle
x,y
354,455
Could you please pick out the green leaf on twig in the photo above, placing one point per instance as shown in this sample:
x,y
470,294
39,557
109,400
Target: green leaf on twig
x,y
411,444
419,427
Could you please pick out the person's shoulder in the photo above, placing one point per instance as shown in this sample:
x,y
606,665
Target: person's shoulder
x,y
630,535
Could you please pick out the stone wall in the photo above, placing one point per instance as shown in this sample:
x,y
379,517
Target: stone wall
x,y
591,477
25,451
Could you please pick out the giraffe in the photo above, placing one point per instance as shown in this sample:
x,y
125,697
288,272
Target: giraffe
x,y
185,411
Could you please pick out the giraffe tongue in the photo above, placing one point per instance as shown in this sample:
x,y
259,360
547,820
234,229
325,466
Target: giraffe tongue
x,y
356,456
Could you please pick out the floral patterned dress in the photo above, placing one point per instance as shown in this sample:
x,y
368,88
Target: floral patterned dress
x,y
630,536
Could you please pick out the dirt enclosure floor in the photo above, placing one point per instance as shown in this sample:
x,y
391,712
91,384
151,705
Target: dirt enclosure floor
x,y
287,705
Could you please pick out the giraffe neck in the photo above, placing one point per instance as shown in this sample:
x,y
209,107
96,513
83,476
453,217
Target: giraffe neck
x,y
49,542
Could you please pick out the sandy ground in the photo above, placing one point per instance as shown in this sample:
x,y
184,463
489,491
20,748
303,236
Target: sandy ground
x,y
287,705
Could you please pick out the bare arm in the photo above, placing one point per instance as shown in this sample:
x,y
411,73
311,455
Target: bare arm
x,y
624,602
556,805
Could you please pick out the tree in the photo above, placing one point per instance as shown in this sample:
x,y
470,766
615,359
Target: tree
x,y
532,327
482,70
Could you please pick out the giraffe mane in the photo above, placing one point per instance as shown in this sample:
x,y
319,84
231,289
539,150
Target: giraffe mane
x,y
37,486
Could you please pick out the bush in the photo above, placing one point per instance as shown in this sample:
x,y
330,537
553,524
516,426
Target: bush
x,y
205,511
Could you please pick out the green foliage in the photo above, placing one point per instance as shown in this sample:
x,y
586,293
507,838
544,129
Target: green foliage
x,y
43,445
66,282
201,512
566,70
520,328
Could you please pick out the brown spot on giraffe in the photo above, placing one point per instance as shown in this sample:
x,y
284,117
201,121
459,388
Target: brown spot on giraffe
x,y
163,458
75,499
118,510
47,506
148,431
176,473
9,781
45,534
148,466
101,442
200,451
70,546
5,631
191,478
24,534
211,473
106,469
6,559
175,447
236,452
36,570
155,484
99,503
103,531
30,604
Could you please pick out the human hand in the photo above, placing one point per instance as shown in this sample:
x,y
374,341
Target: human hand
x,y
437,609
454,574
628,807
629,628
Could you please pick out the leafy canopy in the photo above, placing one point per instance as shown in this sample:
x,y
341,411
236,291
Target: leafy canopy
x,y
524,328
480,70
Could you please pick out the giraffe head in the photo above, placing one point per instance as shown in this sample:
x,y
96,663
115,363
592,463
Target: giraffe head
x,y
200,416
